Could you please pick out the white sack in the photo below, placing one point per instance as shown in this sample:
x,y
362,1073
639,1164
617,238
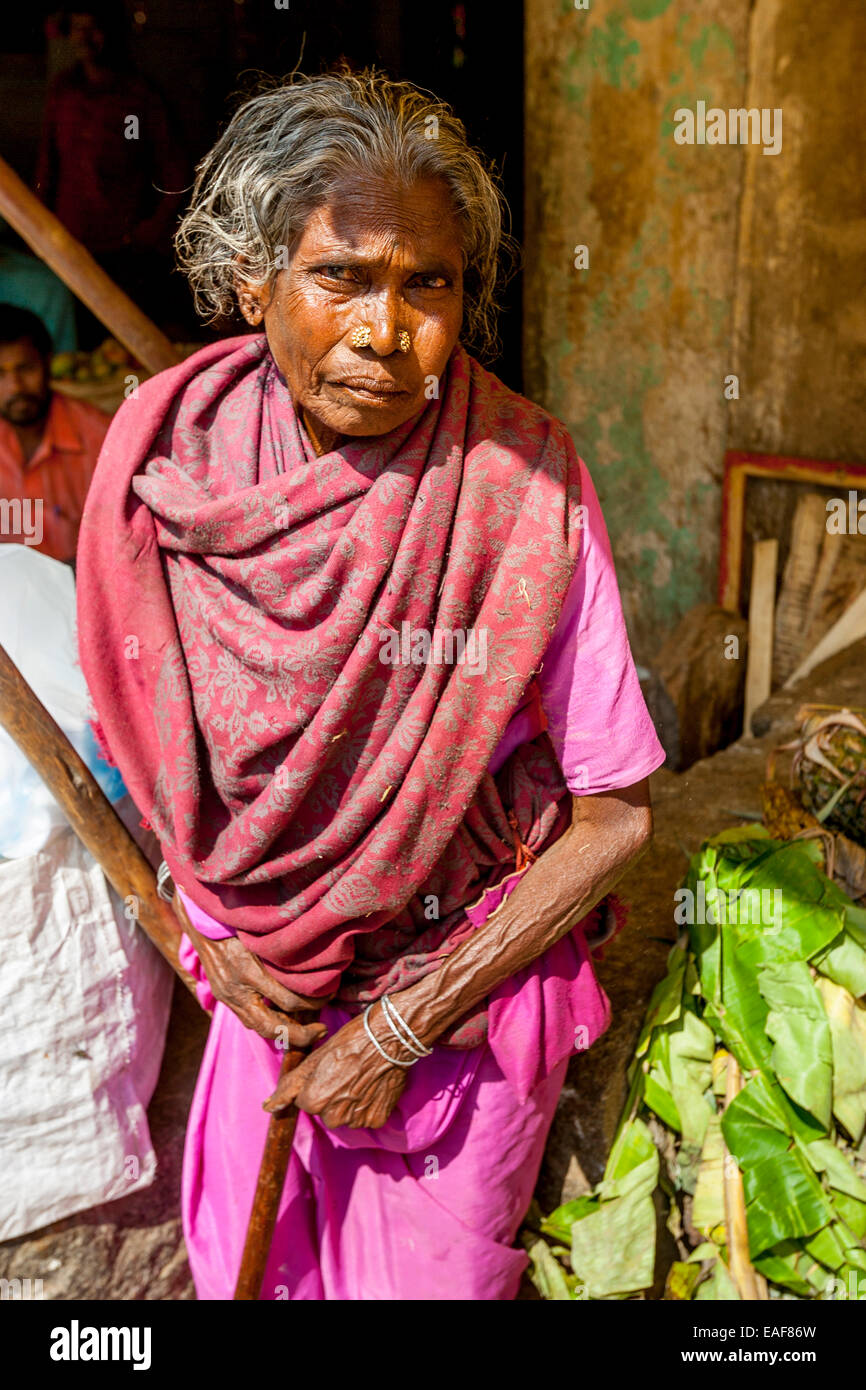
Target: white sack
x,y
37,629
84,1002
84,996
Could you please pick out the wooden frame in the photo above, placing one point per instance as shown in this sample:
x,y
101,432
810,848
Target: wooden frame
x,y
739,467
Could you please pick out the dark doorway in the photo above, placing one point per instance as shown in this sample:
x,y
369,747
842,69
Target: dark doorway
x,y
200,53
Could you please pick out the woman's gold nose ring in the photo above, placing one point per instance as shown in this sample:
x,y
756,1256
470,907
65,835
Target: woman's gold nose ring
x,y
362,337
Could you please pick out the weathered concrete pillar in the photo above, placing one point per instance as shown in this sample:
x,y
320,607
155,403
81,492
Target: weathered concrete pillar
x,y
800,321
633,351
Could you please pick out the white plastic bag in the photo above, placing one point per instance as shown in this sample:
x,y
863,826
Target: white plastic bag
x,y
37,629
84,1003
84,996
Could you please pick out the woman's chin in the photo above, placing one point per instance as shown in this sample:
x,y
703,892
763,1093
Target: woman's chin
x,y
360,414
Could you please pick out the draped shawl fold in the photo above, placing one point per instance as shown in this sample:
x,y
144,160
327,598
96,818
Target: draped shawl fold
x,y
235,596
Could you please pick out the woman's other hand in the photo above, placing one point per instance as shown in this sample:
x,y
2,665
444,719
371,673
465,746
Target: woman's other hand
x,y
239,980
347,1081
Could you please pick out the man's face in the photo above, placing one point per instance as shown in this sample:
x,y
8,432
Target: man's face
x,y
23,383
378,256
85,36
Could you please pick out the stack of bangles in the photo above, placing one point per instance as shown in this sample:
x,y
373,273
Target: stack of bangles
x,y
401,1030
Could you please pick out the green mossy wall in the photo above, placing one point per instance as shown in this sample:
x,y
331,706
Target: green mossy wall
x,y
705,261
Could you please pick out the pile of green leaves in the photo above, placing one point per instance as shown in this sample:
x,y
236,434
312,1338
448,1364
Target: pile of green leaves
x,y
785,1001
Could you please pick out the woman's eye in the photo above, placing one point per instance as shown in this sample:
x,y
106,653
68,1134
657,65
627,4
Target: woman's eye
x,y
351,275
338,272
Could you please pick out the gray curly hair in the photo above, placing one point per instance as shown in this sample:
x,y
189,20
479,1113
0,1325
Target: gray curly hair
x,y
288,146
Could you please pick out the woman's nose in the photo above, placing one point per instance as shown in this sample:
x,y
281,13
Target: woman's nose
x,y
385,325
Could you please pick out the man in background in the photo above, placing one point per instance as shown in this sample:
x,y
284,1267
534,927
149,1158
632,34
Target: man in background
x,y
49,443
110,164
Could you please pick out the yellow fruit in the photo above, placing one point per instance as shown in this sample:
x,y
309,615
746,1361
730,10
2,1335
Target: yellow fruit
x,y
114,352
63,364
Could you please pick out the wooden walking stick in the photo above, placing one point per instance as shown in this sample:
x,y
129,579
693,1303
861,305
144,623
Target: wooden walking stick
x,y
103,833
269,1188
46,235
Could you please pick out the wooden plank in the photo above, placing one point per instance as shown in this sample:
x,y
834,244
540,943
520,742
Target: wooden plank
x,y
847,629
762,601
798,593
50,240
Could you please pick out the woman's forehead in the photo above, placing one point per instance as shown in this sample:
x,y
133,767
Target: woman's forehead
x,y
375,219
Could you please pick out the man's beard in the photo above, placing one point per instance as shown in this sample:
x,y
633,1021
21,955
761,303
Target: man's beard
x,y
25,409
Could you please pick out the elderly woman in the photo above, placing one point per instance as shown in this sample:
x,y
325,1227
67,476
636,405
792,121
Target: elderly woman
x,y
350,619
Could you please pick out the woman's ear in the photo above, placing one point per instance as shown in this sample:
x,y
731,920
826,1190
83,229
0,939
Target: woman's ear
x,y
251,298
250,305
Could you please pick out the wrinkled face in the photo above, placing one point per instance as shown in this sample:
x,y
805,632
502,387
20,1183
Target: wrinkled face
x,y
378,256
23,383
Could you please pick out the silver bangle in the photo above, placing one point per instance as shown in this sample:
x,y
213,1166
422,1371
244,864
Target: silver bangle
x,y
401,1030
395,1061
163,878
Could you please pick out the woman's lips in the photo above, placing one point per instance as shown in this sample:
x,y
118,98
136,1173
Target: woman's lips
x,y
368,389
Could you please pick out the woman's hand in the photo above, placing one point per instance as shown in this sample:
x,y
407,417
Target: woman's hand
x,y
239,980
346,1081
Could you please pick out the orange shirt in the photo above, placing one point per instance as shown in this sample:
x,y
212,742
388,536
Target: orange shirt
x,y
58,475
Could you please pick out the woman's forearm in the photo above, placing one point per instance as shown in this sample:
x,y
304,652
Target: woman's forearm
x,y
554,894
352,1078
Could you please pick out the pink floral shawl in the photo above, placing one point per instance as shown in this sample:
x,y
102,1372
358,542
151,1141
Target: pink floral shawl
x,y
235,593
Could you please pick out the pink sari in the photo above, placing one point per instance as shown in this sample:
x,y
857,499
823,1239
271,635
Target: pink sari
x,y
428,1206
